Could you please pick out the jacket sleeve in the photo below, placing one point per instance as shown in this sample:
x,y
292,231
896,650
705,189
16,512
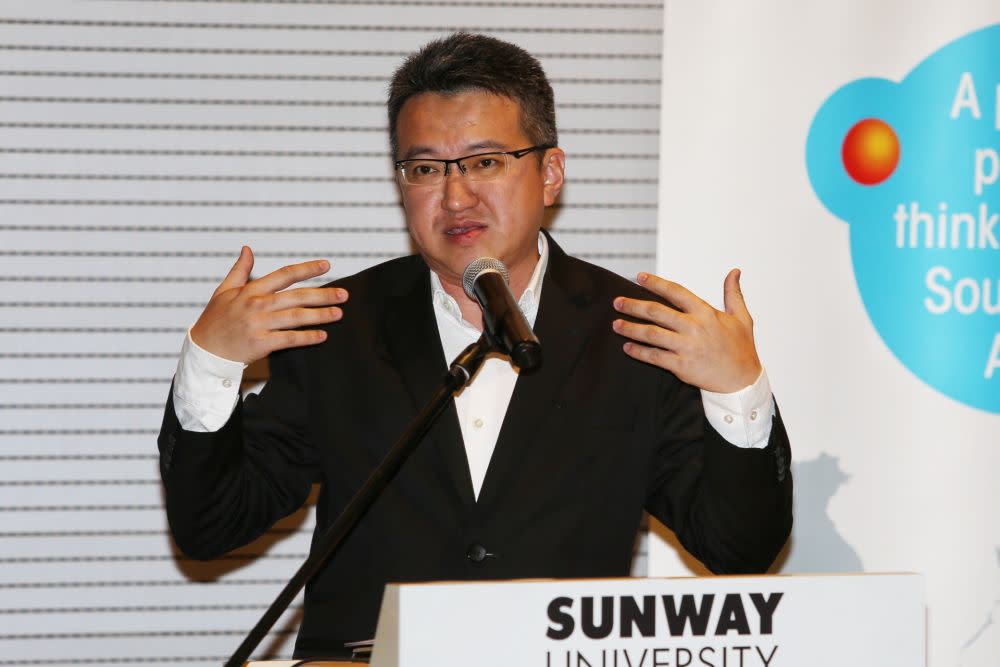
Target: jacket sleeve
x,y
226,488
730,507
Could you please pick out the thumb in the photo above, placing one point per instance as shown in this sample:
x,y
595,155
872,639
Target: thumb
x,y
733,296
240,273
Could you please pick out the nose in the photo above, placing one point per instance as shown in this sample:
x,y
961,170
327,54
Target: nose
x,y
458,193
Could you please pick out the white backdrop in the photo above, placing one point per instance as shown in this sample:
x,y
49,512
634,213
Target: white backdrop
x,y
141,143
890,474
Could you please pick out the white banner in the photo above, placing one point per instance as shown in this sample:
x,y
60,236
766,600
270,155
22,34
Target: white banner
x,y
844,155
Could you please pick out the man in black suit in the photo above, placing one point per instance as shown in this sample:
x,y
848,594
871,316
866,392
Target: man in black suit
x,y
545,474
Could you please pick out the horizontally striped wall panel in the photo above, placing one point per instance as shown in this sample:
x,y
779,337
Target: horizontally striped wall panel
x,y
141,143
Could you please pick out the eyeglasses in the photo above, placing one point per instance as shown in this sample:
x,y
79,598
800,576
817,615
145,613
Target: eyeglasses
x,y
478,167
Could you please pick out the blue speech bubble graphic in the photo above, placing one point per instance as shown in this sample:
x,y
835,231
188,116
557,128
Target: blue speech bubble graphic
x,y
924,229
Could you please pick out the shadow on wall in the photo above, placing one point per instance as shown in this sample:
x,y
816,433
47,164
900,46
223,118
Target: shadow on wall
x,y
815,545
276,648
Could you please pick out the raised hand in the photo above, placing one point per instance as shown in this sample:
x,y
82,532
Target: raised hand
x,y
246,320
705,347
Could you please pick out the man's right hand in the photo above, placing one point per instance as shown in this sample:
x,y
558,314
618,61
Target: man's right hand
x,y
246,320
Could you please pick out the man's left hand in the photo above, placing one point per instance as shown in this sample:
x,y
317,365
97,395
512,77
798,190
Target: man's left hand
x,y
705,347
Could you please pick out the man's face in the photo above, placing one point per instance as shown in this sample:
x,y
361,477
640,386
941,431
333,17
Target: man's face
x,y
459,220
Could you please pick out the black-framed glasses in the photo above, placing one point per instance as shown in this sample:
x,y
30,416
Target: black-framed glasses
x,y
478,167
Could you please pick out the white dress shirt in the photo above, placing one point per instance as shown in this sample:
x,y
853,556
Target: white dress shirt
x,y
206,386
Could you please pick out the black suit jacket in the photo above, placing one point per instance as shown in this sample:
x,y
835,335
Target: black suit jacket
x,y
590,439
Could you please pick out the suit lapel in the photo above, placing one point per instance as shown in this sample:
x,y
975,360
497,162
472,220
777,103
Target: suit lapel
x,y
562,329
411,339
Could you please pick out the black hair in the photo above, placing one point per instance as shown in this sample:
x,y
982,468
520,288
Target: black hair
x,y
463,62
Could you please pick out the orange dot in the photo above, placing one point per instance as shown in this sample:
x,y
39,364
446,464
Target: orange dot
x,y
870,151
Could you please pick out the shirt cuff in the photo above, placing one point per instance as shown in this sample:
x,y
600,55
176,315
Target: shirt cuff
x,y
744,417
206,388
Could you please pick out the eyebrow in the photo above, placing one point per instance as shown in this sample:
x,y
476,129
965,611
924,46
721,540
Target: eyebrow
x,y
471,149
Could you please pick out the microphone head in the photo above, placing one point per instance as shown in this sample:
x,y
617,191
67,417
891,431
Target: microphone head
x,y
478,267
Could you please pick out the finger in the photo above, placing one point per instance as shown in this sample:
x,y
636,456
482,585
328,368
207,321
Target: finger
x,y
732,295
287,276
240,273
684,299
650,334
651,311
280,340
294,318
309,296
664,359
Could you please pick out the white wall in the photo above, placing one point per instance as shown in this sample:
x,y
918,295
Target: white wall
x,y
141,143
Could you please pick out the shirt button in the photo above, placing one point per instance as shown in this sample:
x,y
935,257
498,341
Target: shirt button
x,y
729,419
227,383
478,423
753,415
476,553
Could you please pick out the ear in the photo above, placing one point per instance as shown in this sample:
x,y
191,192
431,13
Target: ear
x,y
554,174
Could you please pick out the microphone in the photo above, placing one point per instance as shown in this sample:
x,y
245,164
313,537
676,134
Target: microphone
x,y
485,280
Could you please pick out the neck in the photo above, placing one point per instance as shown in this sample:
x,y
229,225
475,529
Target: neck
x,y
471,312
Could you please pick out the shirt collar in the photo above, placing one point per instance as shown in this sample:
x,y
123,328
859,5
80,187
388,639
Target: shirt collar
x,y
528,303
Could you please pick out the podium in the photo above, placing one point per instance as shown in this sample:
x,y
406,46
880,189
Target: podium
x,y
865,620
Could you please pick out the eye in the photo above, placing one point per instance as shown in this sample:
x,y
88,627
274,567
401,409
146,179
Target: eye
x,y
489,163
421,169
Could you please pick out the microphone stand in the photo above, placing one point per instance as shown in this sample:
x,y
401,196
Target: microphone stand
x,y
459,373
